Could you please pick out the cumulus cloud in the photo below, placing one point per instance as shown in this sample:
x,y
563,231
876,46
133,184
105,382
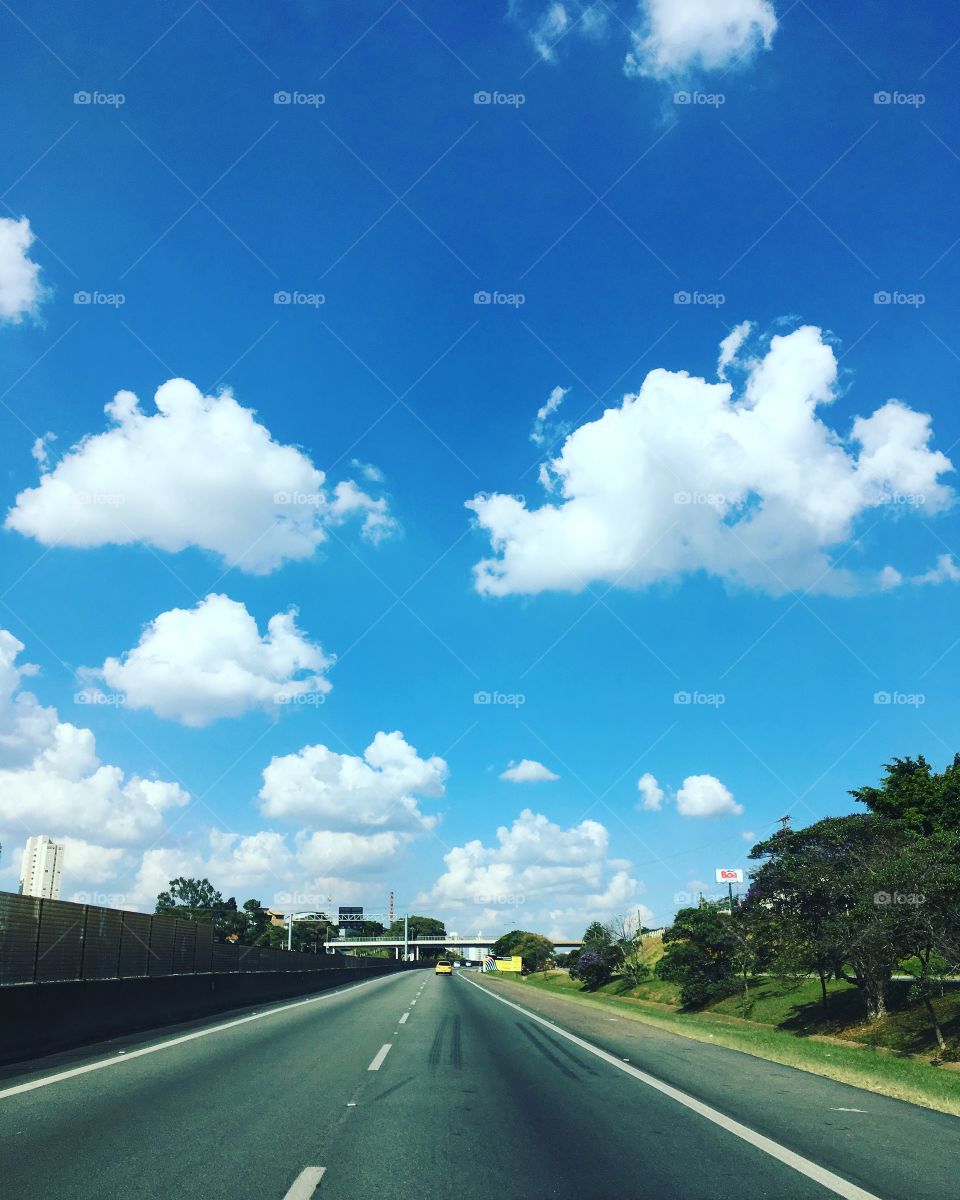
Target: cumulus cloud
x,y
200,471
706,796
749,485
527,770
344,792
677,36
196,665
20,288
538,875
651,793
51,778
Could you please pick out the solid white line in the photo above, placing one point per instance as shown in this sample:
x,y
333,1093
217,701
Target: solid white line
x,y
305,1184
379,1057
403,1019
804,1166
130,1055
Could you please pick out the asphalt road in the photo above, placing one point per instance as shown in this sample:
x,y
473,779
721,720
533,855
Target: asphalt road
x,y
417,1086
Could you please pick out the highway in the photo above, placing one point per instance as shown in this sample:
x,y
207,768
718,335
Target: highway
x,y
417,1086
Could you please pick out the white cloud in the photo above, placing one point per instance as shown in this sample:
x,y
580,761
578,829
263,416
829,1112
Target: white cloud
x,y
538,876
706,796
731,345
651,793
677,36
748,835
548,25
540,434
751,486
329,791
51,779
945,571
327,853
527,770
201,471
196,665
20,289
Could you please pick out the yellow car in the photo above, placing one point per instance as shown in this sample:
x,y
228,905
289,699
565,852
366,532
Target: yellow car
x,y
444,967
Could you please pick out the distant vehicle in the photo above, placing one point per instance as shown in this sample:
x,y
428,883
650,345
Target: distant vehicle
x,y
443,967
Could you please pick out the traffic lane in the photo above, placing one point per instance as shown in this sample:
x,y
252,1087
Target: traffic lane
x,y
888,1146
231,1114
474,1095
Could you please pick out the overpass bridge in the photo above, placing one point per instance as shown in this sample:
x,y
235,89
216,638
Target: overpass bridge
x,y
451,941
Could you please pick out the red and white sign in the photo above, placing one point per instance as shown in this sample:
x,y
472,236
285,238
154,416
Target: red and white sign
x,y
729,875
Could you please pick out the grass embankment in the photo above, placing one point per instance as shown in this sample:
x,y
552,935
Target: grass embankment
x,y
786,1025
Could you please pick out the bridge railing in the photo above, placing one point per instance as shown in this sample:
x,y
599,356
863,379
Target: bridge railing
x,y
52,941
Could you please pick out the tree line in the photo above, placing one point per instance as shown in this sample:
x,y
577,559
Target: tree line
x,y
858,898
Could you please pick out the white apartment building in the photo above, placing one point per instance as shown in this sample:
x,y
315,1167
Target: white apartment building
x,y
41,868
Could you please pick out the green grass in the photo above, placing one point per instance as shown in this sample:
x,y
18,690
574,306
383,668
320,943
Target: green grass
x,y
782,1022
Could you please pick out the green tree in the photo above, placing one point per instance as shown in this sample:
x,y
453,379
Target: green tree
x,y
421,927
198,900
709,953
533,948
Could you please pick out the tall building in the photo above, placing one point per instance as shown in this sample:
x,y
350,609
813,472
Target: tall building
x,y
41,867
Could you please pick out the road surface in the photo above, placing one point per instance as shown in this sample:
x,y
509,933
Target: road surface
x,y
415,1087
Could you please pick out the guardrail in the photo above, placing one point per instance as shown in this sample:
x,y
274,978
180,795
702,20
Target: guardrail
x,y
51,941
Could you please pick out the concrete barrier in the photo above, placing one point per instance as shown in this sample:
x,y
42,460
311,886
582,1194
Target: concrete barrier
x,y
40,1018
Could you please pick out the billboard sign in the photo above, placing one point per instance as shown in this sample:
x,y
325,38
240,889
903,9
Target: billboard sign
x,y
729,875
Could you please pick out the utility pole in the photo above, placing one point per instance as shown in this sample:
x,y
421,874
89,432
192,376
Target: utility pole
x,y
406,937
290,931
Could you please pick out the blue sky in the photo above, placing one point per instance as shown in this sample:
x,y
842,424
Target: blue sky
x,y
791,166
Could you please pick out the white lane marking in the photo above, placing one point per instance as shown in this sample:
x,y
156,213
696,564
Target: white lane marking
x,y
863,1110
412,1003
17,1089
804,1166
404,1018
305,1184
380,1056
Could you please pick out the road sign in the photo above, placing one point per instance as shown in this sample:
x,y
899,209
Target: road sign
x,y
729,875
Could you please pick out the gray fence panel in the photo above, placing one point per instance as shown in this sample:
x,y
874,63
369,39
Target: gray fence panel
x,y
184,947
53,940
60,942
163,932
203,956
225,958
134,945
101,943
19,924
